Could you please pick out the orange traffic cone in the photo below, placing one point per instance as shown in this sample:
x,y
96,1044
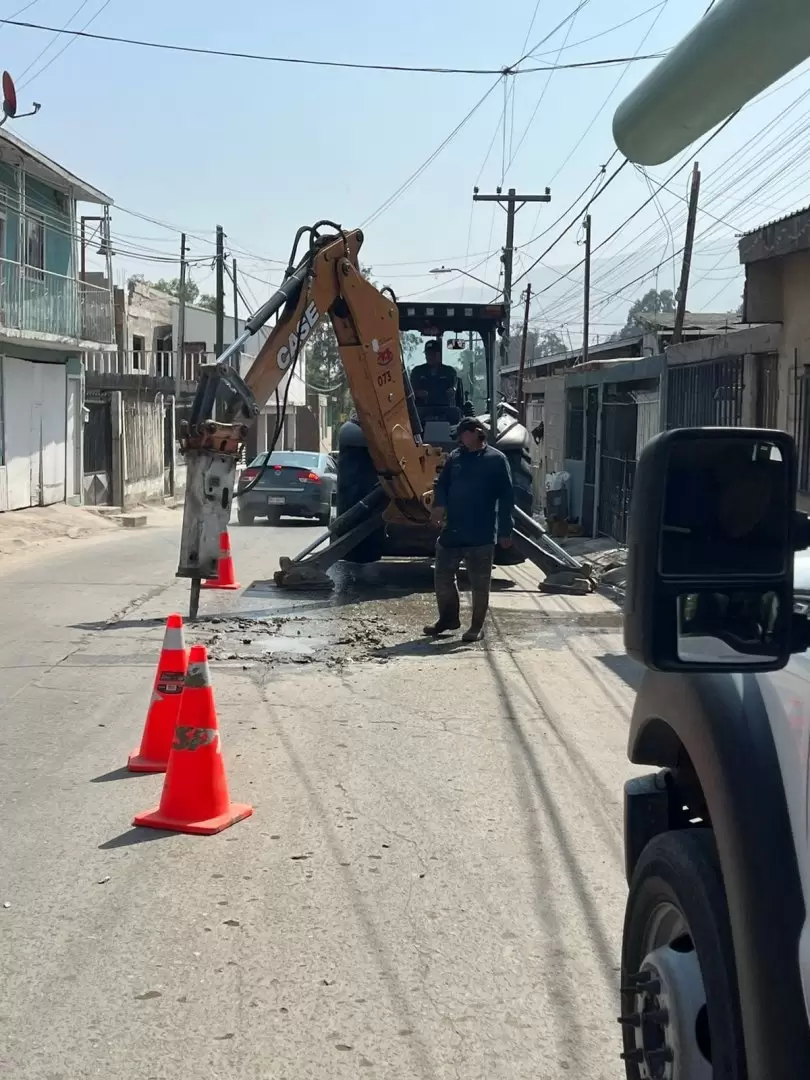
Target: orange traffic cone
x,y
195,795
226,575
153,753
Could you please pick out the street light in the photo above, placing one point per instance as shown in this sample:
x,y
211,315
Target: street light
x,y
458,270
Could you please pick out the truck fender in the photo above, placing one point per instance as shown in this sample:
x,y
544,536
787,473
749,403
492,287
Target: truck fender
x,y
720,721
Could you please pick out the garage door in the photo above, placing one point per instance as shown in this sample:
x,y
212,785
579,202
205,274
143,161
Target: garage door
x,y
35,402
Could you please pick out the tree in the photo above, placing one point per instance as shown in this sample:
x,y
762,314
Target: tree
x,y
171,286
652,303
549,343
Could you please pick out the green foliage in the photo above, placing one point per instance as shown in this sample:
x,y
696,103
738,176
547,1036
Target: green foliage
x,y
652,303
171,286
548,343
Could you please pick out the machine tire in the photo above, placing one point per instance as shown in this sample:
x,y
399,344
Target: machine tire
x,y
677,892
245,515
356,478
521,468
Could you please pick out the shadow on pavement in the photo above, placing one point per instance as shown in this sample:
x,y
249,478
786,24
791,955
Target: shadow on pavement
x,y
117,774
423,646
134,836
121,624
625,667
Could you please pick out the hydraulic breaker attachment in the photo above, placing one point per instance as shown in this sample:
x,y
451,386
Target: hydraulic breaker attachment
x,y
210,479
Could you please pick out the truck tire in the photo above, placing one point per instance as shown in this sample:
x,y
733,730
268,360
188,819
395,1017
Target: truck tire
x,y
680,1003
521,468
356,478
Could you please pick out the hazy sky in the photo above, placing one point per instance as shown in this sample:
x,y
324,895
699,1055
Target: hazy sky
x,y
263,148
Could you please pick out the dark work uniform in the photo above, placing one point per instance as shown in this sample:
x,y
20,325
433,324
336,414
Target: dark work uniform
x,y
475,489
438,382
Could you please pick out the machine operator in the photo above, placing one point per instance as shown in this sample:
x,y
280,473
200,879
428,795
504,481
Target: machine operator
x,y
434,383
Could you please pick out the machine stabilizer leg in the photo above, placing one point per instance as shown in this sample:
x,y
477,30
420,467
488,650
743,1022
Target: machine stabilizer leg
x,y
308,569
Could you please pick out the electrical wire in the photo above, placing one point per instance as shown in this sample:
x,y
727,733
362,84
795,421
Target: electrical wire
x,y
53,40
400,191
23,9
66,46
308,62
616,85
603,33
539,102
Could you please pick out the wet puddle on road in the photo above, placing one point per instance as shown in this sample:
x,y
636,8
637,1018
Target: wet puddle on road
x,y
377,613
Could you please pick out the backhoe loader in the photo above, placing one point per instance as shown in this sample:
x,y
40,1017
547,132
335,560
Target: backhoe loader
x,y
388,460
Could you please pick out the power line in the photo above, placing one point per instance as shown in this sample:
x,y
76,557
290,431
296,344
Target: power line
x,y
67,44
604,33
569,226
306,61
54,39
429,160
616,85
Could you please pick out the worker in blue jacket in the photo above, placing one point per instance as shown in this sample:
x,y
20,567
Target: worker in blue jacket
x,y
474,489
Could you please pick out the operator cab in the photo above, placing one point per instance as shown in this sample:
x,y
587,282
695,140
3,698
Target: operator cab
x,y
448,351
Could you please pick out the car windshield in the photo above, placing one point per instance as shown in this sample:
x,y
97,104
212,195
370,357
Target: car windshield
x,y
288,457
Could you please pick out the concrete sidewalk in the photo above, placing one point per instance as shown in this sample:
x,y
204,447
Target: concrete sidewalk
x,y
47,527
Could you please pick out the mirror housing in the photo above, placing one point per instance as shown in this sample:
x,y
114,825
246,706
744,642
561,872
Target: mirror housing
x,y
711,537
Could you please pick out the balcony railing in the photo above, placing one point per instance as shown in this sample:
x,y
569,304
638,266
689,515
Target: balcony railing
x,y
41,302
153,364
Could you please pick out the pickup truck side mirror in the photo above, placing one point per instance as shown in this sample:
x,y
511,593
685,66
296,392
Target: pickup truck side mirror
x,y
711,537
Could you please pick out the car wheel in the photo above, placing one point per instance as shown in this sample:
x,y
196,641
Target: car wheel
x,y
680,1003
325,519
245,515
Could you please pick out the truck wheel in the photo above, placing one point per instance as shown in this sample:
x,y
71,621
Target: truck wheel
x,y
245,515
356,478
680,1005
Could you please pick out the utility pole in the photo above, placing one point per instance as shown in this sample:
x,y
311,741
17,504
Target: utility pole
x,y
511,203
235,304
180,344
219,344
520,402
686,265
586,318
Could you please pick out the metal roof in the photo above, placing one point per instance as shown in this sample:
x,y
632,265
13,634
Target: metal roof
x,y
777,221
15,151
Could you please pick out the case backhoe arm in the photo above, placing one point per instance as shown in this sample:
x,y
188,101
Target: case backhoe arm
x,y
327,281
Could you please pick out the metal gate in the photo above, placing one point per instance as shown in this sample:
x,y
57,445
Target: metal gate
x,y
589,484
707,394
617,464
767,385
97,454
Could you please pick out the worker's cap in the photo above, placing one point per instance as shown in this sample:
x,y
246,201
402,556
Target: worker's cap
x,y
469,423
433,346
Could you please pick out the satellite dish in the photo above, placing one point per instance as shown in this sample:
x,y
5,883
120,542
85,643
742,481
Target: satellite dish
x,y
9,96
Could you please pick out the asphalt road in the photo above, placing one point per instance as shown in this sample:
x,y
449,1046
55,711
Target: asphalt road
x,y
431,884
